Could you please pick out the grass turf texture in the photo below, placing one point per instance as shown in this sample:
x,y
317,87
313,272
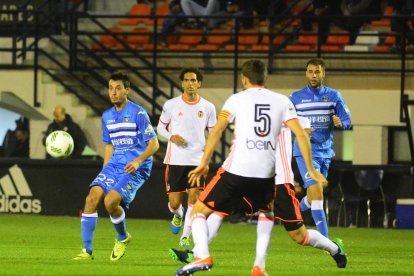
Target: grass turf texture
x,y
43,245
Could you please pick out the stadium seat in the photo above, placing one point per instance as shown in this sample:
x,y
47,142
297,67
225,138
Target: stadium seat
x,y
381,49
308,39
142,37
299,48
139,9
215,39
366,189
162,10
248,37
189,38
110,41
330,48
341,39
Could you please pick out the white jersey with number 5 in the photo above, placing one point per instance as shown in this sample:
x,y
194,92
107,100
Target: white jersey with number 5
x,y
258,115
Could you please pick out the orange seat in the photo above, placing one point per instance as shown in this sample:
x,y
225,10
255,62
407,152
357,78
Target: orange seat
x,y
207,47
110,41
218,36
179,47
330,48
390,40
162,10
260,47
381,49
338,40
232,47
381,23
191,36
140,9
151,47
142,37
308,39
248,37
298,48
277,40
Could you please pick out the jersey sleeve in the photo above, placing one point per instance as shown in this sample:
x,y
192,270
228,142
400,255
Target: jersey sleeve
x,y
144,126
105,133
342,111
228,110
212,117
166,113
289,111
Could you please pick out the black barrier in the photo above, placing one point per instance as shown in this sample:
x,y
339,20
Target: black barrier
x,y
59,187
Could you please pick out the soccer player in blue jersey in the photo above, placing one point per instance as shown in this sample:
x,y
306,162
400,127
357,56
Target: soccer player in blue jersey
x,y
326,110
130,142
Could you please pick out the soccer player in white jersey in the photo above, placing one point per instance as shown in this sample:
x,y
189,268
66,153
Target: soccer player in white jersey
x,y
247,175
287,210
184,121
130,142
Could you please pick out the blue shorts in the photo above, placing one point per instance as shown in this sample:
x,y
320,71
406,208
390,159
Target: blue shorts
x,y
320,164
113,177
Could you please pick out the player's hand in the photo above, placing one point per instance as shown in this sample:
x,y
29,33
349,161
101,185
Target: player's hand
x,y
131,167
195,176
337,122
317,176
177,139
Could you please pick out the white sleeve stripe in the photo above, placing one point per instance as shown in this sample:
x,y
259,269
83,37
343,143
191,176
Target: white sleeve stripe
x,y
123,133
315,104
315,112
121,125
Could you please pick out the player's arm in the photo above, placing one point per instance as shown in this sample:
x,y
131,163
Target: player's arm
x,y
162,130
211,144
342,117
152,148
304,144
109,150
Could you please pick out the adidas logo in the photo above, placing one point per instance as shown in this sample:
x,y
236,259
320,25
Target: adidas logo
x,y
15,194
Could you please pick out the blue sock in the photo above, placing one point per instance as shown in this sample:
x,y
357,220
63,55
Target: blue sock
x,y
319,217
88,225
120,226
304,205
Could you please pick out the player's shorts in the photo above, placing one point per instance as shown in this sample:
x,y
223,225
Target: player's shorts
x,y
229,193
320,164
113,177
176,179
286,207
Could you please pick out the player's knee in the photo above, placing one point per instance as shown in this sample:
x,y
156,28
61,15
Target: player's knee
x,y
298,235
91,202
110,203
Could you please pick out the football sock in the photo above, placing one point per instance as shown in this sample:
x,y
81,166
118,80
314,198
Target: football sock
x,y
178,211
214,222
88,225
304,205
120,226
200,235
319,217
187,222
316,239
264,232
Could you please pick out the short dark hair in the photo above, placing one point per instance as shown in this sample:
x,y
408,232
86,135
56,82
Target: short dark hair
x,y
120,76
317,62
256,71
191,70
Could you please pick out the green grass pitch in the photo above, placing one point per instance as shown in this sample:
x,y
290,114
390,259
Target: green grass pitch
x,y
43,245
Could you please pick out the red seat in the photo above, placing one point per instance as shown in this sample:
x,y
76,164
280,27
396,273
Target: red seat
x,y
248,37
330,48
162,10
381,49
110,41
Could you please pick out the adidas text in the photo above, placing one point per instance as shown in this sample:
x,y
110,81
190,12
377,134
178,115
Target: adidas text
x,y
16,204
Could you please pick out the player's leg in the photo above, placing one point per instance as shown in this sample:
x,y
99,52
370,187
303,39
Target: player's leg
x,y
89,220
193,194
176,182
309,237
264,233
314,196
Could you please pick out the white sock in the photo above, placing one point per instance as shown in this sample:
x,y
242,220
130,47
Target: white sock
x,y
178,212
214,222
264,233
200,235
187,222
316,239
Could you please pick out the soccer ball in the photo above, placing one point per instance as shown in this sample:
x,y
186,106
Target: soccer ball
x,y
59,144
